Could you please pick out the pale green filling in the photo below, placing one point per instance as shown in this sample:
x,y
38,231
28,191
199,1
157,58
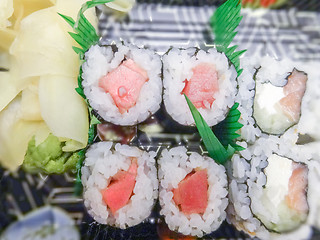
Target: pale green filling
x,y
273,209
288,219
267,111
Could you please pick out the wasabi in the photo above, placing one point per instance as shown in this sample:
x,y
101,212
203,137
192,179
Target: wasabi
x,y
48,157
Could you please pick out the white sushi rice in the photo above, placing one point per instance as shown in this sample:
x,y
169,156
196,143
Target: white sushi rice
x,y
247,180
310,114
245,96
102,162
101,60
177,67
174,165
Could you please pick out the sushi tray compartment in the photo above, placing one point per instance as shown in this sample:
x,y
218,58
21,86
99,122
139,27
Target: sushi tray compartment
x,y
47,203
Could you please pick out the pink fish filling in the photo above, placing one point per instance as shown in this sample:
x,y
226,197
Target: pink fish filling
x,y
202,85
297,198
294,91
124,84
120,189
192,193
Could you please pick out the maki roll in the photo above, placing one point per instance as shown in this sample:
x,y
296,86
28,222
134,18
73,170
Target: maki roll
x,y
278,95
282,204
122,82
271,96
206,78
120,184
192,192
268,190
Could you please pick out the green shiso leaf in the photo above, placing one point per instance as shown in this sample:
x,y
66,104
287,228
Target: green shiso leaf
x,y
223,23
85,35
226,130
215,149
48,157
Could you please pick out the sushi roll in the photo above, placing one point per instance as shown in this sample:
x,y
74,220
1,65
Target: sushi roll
x,y
192,192
120,184
278,96
122,82
269,190
206,78
271,95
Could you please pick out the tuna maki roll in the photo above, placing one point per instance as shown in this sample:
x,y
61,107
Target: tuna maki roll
x,y
120,184
192,192
206,78
122,82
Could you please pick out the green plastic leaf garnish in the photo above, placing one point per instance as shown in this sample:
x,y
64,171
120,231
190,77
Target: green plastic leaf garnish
x,y
91,4
223,23
79,89
92,126
78,184
215,149
226,130
85,35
